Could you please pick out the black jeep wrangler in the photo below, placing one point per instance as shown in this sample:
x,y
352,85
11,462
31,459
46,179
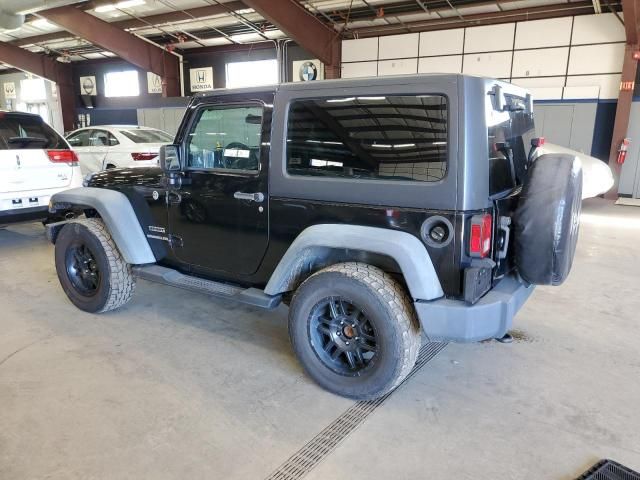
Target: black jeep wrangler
x,y
378,209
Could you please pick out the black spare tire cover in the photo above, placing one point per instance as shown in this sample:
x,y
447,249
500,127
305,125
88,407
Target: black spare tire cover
x,y
548,218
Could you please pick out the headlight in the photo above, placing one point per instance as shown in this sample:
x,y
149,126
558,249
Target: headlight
x,y
87,179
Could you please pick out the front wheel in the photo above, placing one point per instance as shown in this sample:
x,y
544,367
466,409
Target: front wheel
x,y
90,268
354,330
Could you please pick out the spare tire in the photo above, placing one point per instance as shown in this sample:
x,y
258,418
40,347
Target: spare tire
x,y
548,218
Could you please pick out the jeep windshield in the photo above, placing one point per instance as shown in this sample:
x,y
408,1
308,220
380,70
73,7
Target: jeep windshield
x,y
510,133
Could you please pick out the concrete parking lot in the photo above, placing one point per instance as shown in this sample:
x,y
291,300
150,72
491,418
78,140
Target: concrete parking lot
x,y
178,385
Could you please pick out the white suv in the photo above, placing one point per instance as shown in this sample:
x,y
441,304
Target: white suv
x,y
35,163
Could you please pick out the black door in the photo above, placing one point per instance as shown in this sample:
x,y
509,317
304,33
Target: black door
x,y
219,216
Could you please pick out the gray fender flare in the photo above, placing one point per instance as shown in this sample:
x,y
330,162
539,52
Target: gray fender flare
x,y
118,215
408,252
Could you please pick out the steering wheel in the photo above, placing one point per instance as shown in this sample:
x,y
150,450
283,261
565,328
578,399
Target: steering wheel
x,y
241,163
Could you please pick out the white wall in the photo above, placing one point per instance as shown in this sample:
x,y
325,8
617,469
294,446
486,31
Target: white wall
x,y
561,58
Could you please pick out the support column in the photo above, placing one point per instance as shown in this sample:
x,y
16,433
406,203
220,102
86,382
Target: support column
x,y
48,68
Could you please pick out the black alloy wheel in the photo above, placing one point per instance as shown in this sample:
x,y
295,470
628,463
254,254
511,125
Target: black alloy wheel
x,y
354,330
342,336
82,269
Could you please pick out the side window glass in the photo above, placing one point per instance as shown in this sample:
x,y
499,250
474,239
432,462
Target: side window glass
x,y
99,138
396,137
113,141
226,138
79,139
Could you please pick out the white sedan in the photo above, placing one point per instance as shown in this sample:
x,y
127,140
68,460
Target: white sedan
x,y
117,146
597,177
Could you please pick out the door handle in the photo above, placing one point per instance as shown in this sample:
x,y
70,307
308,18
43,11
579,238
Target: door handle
x,y
253,197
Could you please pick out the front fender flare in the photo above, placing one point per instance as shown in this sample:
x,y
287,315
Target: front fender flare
x,y
407,251
119,217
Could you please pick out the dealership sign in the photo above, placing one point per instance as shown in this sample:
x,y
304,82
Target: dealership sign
x,y
9,90
88,86
201,79
154,83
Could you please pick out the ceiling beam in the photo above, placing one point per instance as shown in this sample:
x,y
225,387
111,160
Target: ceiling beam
x,y
180,15
48,68
134,50
141,22
302,26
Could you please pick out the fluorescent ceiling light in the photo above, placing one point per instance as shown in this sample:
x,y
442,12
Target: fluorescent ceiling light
x,y
340,100
381,145
372,98
404,145
42,23
113,6
105,8
130,3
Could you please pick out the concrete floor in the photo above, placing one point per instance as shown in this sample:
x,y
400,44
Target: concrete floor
x,y
179,386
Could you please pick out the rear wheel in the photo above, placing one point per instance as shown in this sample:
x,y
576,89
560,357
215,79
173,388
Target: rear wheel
x,y
90,268
354,330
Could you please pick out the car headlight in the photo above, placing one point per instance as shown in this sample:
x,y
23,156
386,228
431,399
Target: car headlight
x,y
87,179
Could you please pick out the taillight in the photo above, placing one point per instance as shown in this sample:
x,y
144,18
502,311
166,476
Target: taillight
x,y
63,156
480,238
143,156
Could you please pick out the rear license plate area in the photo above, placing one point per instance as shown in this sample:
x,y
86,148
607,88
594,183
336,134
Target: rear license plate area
x,y
25,202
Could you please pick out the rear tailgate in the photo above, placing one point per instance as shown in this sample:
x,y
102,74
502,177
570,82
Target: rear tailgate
x,y
33,156
510,132
28,169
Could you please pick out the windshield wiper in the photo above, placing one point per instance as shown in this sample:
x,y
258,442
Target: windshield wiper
x,y
24,141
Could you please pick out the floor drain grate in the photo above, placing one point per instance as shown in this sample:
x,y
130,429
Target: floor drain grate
x,y
305,459
609,470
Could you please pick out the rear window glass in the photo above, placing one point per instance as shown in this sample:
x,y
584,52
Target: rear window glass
x,y
510,134
399,137
27,132
147,136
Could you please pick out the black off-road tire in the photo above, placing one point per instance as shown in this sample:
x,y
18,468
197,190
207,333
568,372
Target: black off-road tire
x,y
391,313
116,283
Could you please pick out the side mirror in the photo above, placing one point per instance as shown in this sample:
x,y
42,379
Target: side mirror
x,y
170,158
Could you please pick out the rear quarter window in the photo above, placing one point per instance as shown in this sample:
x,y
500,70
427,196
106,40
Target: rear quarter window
x,y
398,137
27,132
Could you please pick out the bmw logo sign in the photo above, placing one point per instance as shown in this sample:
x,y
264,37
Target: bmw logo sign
x,y
308,72
155,195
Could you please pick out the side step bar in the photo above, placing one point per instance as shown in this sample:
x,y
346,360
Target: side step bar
x,y
168,276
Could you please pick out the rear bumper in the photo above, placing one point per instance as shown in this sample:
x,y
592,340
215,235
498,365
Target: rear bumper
x,y
491,317
23,215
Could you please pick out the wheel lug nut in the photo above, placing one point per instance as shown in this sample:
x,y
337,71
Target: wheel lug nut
x,y
347,343
339,332
353,325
